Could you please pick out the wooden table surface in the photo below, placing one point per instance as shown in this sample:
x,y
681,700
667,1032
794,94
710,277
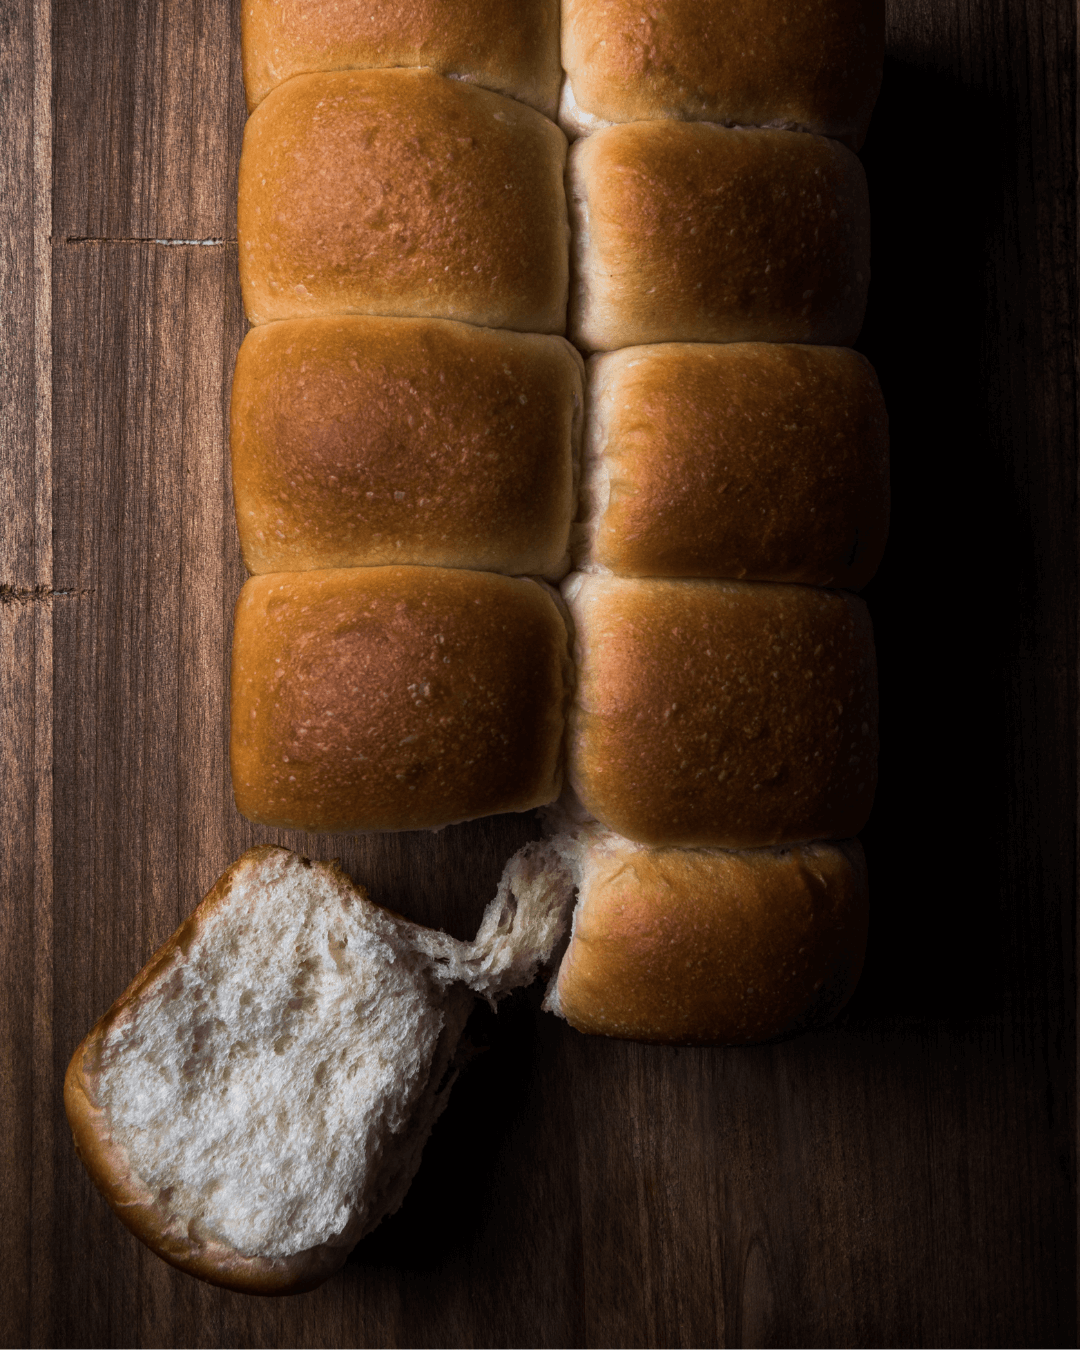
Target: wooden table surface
x,y
905,1177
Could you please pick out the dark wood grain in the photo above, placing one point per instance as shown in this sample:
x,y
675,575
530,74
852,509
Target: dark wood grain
x,y
906,1177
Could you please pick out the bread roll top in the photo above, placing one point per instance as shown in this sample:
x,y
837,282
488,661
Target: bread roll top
x,y
395,698
700,946
368,441
512,49
754,461
722,713
687,232
399,192
807,64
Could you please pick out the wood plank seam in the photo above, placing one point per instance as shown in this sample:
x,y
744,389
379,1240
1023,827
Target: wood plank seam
x,y
45,1083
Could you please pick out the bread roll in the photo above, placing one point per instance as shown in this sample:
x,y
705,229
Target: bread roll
x,y
748,460
806,64
513,49
704,947
258,1098
395,698
398,192
722,713
686,232
365,441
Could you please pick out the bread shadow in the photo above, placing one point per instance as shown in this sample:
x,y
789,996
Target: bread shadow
x,y
447,1212
948,602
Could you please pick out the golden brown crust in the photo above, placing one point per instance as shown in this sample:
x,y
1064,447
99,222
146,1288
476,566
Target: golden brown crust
x,y
811,64
398,192
688,232
390,698
689,946
146,1215
512,49
755,461
368,441
724,713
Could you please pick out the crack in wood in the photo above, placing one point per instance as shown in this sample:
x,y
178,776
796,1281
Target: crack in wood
x,y
165,243
21,595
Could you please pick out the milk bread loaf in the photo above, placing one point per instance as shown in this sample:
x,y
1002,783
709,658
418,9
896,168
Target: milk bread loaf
x,y
689,232
398,192
395,698
812,65
512,49
721,713
258,1099
754,461
707,947
360,441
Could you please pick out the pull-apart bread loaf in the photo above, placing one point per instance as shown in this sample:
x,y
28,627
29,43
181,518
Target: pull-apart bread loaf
x,y
513,49
688,232
812,65
722,713
398,192
396,698
701,946
258,1099
754,461
360,441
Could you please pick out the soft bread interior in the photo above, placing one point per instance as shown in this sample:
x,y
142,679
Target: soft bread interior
x,y
266,1086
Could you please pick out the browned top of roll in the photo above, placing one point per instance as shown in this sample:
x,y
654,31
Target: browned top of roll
x,y
395,698
513,49
809,64
687,232
722,713
757,461
698,946
367,441
399,192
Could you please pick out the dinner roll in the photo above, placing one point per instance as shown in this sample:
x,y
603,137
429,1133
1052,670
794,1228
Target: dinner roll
x,y
722,713
258,1098
807,64
745,460
395,698
705,947
362,441
687,232
399,192
513,49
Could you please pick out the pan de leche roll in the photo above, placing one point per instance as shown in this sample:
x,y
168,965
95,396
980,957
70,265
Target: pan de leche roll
x,y
513,49
364,441
258,1098
756,461
688,232
721,713
398,192
813,65
395,698
706,947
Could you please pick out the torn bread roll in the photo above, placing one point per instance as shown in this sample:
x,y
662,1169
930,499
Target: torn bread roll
x,y
259,1097
395,698
706,947
753,461
688,232
722,713
360,441
812,65
398,192
513,50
